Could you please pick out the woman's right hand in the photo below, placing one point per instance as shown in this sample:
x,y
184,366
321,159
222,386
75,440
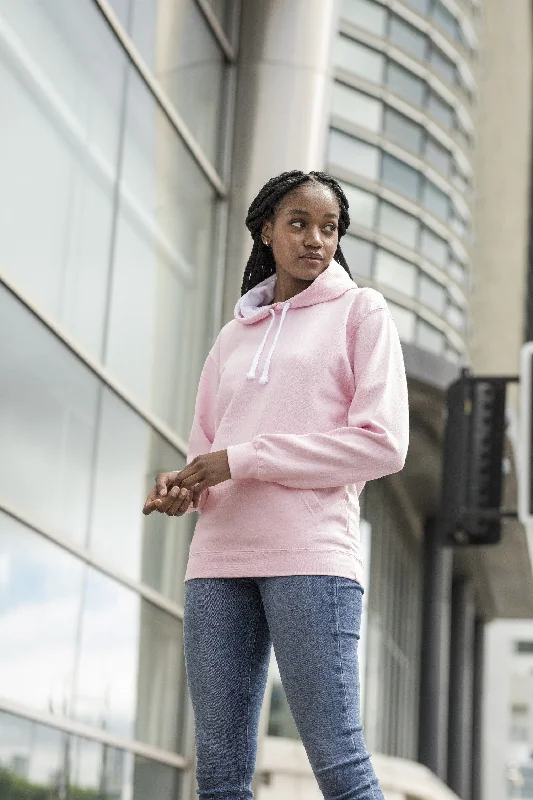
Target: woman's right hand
x,y
166,498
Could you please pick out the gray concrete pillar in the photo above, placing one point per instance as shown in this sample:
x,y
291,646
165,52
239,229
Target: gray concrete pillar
x,y
435,653
283,87
461,689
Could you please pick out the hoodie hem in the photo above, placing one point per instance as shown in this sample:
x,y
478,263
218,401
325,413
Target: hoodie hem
x,y
275,563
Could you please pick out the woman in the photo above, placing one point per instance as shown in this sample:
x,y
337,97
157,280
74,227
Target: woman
x,y
302,399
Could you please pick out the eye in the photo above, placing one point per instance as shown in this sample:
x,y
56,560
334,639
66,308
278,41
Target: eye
x,y
299,223
331,227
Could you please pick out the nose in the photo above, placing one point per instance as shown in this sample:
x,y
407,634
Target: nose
x,y
313,237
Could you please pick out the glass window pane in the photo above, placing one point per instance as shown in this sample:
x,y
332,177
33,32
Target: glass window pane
x,y
353,154
437,155
407,85
457,272
421,6
362,205
357,107
456,316
163,265
446,20
48,416
359,59
432,294
41,596
403,130
62,78
408,38
443,65
404,320
400,177
429,338
442,112
398,225
365,14
436,201
434,248
184,56
396,272
359,254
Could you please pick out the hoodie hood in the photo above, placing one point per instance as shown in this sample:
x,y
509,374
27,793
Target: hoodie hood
x,y
257,304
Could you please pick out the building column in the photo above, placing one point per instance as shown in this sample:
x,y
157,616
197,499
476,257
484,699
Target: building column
x,y
283,86
435,652
461,689
479,635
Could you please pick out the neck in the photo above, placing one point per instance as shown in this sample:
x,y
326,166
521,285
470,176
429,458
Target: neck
x,y
287,287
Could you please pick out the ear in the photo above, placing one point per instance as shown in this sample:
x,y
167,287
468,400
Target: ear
x,y
266,232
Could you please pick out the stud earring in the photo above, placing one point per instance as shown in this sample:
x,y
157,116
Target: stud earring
x,y
265,243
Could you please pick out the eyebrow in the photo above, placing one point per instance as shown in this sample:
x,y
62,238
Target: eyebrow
x,y
307,214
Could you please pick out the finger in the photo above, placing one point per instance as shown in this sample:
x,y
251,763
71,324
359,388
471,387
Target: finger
x,y
175,498
179,507
197,491
150,503
193,480
162,481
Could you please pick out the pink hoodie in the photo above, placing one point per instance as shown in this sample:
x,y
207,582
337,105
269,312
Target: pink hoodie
x,y
310,399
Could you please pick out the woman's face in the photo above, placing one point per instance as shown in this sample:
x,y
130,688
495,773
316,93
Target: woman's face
x,y
304,231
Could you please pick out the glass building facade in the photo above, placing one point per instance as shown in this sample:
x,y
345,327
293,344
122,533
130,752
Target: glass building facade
x,y
401,138
117,125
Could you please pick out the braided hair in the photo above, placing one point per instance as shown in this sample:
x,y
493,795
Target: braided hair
x,y
261,263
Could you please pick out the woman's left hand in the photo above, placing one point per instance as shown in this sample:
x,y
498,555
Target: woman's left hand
x,y
204,471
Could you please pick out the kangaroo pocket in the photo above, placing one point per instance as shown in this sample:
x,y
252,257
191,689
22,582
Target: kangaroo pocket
x,y
256,515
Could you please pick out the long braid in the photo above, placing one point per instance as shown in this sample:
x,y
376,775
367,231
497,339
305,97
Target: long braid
x,y
261,263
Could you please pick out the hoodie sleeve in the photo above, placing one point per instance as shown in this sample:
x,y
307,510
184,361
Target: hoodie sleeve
x,y
373,443
203,426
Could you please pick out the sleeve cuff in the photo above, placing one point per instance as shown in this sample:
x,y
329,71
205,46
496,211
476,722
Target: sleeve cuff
x,y
242,460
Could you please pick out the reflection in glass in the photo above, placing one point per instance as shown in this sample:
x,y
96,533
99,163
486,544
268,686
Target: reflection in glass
x,y
362,205
359,59
396,272
421,6
359,254
129,454
407,85
408,38
184,56
400,177
404,320
434,248
432,294
356,107
403,130
163,265
429,338
353,154
365,14
62,77
40,605
38,762
398,225
456,317
47,423
457,271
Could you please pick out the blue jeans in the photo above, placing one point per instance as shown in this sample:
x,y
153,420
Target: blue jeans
x,y
313,622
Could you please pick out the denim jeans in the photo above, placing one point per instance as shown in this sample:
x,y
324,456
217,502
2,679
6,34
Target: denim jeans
x,y
313,621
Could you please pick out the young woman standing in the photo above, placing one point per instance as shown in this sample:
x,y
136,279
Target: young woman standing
x,y
302,399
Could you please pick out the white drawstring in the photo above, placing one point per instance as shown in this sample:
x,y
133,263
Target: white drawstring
x,y
251,374
264,377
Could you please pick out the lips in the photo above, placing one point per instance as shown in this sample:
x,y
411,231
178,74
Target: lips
x,y
311,257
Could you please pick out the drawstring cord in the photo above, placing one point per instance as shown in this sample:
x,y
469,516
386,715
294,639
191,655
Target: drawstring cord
x,y
264,377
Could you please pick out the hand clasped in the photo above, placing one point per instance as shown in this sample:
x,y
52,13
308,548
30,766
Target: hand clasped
x,y
174,491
